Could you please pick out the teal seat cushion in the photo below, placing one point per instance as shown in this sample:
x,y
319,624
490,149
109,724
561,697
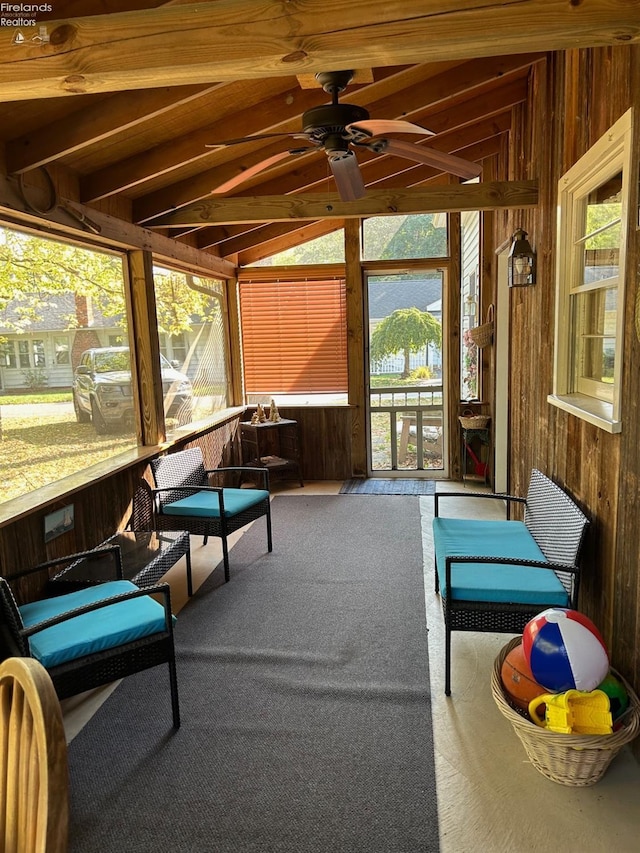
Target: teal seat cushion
x,y
96,631
205,504
494,581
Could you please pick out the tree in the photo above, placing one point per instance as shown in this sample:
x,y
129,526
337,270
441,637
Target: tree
x,y
36,273
406,330
412,236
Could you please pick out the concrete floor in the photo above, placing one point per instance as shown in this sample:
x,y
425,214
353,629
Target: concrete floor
x,y
490,797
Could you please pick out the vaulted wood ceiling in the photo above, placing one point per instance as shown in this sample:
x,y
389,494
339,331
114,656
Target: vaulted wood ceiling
x,y
120,107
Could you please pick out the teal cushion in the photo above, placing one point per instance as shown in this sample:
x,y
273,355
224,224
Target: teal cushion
x,y
92,632
205,504
494,581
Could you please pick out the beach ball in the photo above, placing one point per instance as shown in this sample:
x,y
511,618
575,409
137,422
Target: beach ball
x,y
565,651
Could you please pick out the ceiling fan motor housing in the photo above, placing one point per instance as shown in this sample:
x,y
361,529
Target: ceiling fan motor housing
x,y
331,119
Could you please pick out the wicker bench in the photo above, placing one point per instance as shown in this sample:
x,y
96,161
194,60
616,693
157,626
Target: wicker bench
x,y
496,575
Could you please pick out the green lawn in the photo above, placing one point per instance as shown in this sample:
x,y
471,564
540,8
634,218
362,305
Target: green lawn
x,y
37,451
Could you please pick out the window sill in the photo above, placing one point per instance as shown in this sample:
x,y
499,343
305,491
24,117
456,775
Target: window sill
x,y
595,412
63,489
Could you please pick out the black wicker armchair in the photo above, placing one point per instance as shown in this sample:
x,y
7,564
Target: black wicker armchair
x,y
127,630
187,497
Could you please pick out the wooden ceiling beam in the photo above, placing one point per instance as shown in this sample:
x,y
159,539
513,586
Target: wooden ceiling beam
x,y
489,196
233,39
278,236
84,223
280,112
171,155
233,238
201,185
381,167
462,80
287,239
96,123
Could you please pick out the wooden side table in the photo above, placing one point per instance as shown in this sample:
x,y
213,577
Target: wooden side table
x,y
272,445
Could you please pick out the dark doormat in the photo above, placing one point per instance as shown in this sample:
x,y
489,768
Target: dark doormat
x,y
374,486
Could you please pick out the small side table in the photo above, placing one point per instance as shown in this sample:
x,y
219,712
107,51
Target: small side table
x,y
275,446
146,557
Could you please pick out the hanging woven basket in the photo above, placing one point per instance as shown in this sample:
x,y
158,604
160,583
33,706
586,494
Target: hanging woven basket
x,y
482,335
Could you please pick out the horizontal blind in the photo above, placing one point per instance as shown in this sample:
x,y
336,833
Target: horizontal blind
x,y
294,336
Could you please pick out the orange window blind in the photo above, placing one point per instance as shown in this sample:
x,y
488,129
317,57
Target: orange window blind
x,y
294,336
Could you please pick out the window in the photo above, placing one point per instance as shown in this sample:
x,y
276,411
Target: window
x,y
38,354
191,333
23,351
57,300
469,304
326,249
8,357
593,221
294,338
422,235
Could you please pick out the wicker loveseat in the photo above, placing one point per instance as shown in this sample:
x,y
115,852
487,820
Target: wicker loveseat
x,y
497,575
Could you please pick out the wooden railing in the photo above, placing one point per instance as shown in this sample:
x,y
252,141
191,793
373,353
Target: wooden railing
x,y
415,407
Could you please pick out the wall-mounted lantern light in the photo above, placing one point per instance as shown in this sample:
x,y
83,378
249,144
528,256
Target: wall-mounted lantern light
x,y
522,261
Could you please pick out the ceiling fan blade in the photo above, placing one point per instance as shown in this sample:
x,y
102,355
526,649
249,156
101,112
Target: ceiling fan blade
x,y
226,142
348,176
378,127
429,156
250,171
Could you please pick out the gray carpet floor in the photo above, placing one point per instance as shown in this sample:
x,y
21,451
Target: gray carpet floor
x,y
304,692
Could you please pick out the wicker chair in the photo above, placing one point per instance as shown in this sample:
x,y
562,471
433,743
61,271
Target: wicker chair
x,y
79,653
187,497
34,796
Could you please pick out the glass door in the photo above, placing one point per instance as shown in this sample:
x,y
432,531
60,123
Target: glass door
x,y
406,405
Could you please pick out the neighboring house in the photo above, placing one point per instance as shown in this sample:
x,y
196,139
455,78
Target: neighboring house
x,y
48,353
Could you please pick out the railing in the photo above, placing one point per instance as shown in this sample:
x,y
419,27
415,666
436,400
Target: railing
x,y
416,407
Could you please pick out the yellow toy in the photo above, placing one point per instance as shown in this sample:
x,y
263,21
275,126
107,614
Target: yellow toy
x,y
574,712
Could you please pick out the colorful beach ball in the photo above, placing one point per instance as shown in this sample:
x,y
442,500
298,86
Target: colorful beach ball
x,y
565,651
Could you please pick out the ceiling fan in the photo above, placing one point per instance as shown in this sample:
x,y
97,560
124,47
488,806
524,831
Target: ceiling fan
x,y
341,129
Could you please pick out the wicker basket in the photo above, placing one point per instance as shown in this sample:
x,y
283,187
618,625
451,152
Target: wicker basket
x,y
578,760
471,421
482,335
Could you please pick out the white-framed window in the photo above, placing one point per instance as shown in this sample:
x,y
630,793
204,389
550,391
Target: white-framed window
x,y
8,354
593,213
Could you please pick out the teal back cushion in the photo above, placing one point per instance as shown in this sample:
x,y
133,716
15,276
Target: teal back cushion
x,y
494,581
206,505
101,629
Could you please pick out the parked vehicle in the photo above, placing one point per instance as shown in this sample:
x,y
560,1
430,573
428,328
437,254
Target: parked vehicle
x,y
102,389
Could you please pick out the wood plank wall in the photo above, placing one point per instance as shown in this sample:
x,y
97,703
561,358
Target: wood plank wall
x,y
575,97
